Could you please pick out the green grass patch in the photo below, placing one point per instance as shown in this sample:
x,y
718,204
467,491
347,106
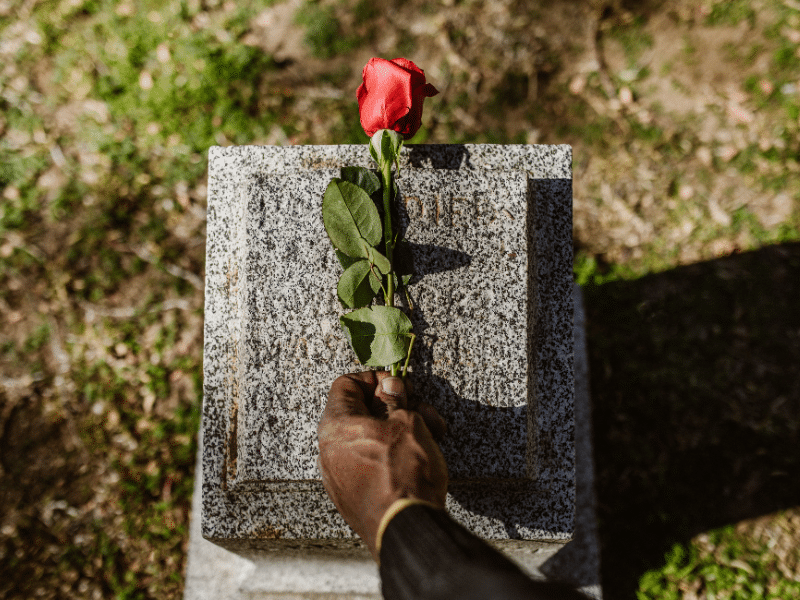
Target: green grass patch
x,y
325,35
727,565
159,475
172,95
589,270
731,12
633,38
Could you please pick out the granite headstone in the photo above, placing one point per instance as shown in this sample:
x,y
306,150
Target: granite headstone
x,y
490,232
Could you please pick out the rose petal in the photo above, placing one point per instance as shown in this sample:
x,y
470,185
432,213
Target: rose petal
x,y
407,65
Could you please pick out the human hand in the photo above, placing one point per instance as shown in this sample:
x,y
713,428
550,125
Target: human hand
x,y
376,447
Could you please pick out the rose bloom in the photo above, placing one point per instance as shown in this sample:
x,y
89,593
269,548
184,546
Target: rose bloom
x,y
391,96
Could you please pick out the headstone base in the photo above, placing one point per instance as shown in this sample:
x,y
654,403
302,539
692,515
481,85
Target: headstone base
x,y
214,573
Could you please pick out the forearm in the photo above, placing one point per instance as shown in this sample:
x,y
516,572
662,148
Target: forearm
x,y
425,555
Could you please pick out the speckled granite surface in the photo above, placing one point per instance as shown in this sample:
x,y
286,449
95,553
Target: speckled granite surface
x,y
491,233
213,573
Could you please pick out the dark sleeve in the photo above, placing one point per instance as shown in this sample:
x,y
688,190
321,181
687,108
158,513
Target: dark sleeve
x,y
426,555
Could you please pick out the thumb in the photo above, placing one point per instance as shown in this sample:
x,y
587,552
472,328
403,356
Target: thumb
x,y
390,395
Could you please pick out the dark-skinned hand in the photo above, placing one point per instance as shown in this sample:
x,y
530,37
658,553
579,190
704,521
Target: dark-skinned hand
x,y
377,446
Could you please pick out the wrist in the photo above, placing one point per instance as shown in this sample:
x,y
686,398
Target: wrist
x,y
394,509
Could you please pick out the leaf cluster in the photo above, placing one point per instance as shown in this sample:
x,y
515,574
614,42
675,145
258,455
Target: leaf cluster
x,y
379,335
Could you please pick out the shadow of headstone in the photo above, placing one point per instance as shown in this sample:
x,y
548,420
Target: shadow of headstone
x,y
696,398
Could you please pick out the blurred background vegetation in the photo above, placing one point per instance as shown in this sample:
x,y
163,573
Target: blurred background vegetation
x,y
683,117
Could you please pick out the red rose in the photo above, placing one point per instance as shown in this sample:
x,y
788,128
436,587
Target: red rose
x,y
391,96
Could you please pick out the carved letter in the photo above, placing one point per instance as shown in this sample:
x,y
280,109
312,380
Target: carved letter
x,y
463,212
414,208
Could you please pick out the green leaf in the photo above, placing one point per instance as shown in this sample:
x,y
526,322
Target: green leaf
x,y
351,218
373,256
379,260
362,177
373,153
385,146
358,285
345,260
379,335
403,280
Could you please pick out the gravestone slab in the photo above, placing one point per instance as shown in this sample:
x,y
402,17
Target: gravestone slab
x,y
490,229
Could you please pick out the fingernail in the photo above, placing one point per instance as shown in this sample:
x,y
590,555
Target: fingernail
x,y
393,386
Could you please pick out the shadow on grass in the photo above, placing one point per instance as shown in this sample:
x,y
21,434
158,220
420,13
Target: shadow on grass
x,y
696,398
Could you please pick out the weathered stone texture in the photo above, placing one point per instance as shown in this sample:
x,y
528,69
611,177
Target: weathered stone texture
x,y
490,229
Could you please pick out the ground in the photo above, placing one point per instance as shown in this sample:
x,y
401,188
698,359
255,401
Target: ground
x,y
683,117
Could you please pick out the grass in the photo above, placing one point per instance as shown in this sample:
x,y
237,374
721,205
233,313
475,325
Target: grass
x,y
125,401
633,38
107,109
325,35
731,13
723,564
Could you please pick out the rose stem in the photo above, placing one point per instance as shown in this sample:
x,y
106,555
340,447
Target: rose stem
x,y
408,356
386,172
